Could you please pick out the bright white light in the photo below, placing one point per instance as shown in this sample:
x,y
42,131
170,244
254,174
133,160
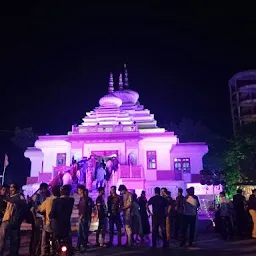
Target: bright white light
x,y
64,248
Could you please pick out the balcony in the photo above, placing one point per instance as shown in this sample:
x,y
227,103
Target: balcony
x,y
168,175
104,129
130,172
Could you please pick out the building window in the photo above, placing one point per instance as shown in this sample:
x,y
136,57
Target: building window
x,y
151,159
61,159
182,165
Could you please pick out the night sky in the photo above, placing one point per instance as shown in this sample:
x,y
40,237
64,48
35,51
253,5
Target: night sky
x,y
55,63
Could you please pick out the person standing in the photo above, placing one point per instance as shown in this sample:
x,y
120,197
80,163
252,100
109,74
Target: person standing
x,y
67,178
74,172
85,212
100,174
3,204
191,205
164,193
102,215
115,163
12,219
114,208
60,216
252,211
37,200
127,205
180,210
239,207
142,201
226,208
83,171
46,208
136,220
159,205
89,173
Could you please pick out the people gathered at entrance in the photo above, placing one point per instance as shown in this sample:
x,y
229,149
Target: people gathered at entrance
x,y
49,213
90,170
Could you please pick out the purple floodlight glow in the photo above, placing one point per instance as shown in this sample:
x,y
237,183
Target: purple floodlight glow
x,y
147,154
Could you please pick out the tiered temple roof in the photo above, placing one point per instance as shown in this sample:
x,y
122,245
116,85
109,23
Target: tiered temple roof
x,y
121,107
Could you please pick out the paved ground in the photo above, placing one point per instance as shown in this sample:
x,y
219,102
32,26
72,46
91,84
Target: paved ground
x,y
208,243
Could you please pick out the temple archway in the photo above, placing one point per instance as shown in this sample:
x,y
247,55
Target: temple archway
x,y
132,159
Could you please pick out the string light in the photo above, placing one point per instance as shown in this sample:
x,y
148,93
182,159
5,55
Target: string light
x,y
204,207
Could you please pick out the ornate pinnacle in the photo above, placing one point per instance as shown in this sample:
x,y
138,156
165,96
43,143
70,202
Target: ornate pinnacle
x,y
121,82
126,83
111,83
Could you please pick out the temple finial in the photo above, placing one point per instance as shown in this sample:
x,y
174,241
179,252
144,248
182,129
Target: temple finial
x,y
121,82
126,83
111,83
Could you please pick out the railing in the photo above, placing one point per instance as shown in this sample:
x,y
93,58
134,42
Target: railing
x,y
168,175
104,129
130,171
177,175
54,181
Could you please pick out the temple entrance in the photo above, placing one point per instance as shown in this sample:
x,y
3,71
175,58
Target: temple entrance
x,y
105,154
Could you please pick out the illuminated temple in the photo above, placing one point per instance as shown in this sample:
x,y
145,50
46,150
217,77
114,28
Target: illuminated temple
x,y
149,156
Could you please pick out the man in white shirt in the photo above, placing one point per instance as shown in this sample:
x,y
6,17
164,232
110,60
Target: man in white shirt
x,y
67,178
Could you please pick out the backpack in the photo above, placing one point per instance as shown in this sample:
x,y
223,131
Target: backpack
x,y
27,214
21,212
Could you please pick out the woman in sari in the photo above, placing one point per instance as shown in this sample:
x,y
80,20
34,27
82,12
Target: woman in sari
x,y
74,172
89,173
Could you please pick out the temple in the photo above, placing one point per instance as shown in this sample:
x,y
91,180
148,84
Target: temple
x,y
148,156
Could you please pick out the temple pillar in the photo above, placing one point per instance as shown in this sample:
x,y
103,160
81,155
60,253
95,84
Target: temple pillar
x,y
51,149
36,158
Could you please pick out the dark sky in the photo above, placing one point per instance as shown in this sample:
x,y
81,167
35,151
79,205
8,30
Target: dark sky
x,y
55,63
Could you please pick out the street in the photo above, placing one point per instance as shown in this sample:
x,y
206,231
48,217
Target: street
x,y
208,244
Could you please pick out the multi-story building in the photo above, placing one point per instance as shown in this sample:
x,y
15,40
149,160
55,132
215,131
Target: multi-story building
x,y
242,87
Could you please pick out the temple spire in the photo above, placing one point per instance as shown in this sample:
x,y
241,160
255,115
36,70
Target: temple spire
x,y
111,83
126,83
121,82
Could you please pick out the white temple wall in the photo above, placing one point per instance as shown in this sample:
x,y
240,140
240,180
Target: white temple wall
x,y
36,158
120,147
36,166
50,149
194,151
162,146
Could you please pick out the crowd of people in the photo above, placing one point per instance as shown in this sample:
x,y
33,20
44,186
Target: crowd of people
x,y
49,213
50,216
90,169
236,218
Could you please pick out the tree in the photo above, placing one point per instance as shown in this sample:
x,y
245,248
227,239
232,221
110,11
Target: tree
x,y
240,159
212,177
191,131
24,138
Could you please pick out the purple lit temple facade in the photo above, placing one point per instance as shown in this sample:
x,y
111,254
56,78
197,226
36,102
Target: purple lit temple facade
x,y
148,155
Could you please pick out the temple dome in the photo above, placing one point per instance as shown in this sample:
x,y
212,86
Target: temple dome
x,y
127,96
110,100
